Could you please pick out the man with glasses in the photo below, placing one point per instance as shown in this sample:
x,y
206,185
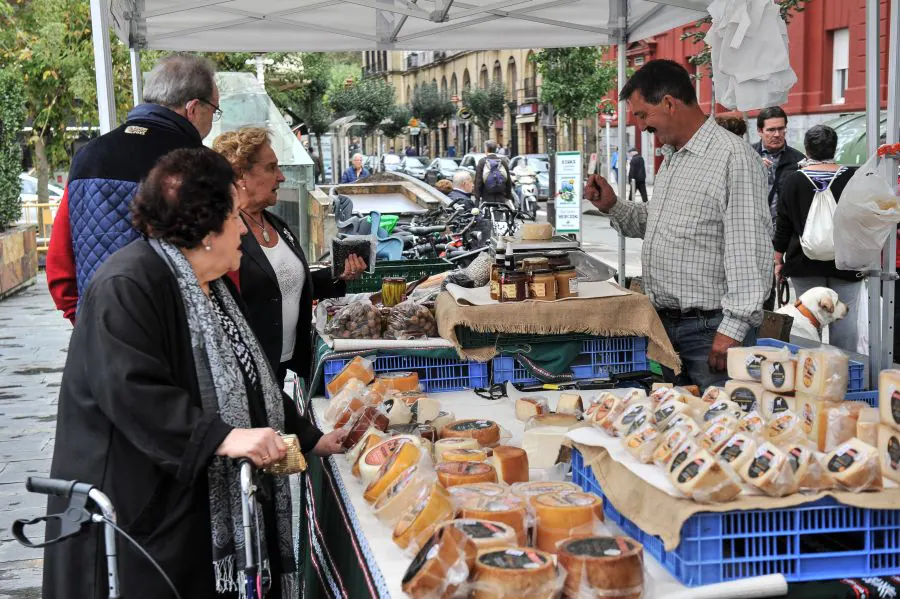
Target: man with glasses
x,y
93,221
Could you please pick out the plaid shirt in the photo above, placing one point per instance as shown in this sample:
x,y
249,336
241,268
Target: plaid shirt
x,y
707,231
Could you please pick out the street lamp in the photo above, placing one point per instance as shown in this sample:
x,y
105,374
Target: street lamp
x,y
261,62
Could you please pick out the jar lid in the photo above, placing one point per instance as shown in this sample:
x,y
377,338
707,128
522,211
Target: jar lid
x,y
543,271
557,254
566,269
394,280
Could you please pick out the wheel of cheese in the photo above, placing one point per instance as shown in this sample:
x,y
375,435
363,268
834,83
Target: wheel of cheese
x,y
460,493
602,567
769,471
703,479
353,389
444,445
511,464
737,451
889,397
508,509
747,395
779,376
855,466
533,489
371,461
529,407
486,432
784,428
775,403
451,474
431,508
746,363
464,455
369,441
405,456
398,412
369,417
559,516
752,423
486,534
398,498
388,382
441,565
514,572
570,403
642,443
358,368
822,373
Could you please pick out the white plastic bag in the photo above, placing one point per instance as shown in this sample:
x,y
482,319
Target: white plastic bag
x,y
868,212
817,240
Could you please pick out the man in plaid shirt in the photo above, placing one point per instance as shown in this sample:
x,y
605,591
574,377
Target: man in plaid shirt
x,y
707,254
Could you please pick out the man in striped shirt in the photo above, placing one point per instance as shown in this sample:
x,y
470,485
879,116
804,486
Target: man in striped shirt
x,y
707,254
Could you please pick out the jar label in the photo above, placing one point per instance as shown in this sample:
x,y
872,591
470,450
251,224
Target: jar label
x,y
495,288
573,286
510,292
537,289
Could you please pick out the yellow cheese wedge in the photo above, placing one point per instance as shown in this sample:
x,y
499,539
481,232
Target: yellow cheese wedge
x,y
702,478
405,456
444,445
464,455
822,373
358,368
432,508
401,495
511,464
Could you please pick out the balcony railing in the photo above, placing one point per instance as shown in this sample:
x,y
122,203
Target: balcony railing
x,y
529,88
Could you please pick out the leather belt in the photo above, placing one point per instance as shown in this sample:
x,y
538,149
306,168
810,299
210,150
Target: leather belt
x,y
673,314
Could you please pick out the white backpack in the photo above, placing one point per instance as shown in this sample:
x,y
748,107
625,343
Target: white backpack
x,y
817,240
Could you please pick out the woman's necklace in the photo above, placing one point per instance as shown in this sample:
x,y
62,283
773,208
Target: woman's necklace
x,y
261,225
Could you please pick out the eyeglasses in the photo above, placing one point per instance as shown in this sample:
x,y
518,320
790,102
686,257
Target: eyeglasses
x,y
217,112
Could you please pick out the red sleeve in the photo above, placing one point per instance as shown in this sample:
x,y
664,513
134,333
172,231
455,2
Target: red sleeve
x,y
61,262
235,276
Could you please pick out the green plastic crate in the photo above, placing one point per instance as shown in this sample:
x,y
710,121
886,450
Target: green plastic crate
x,y
412,270
656,367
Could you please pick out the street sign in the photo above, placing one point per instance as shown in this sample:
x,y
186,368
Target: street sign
x,y
464,114
568,192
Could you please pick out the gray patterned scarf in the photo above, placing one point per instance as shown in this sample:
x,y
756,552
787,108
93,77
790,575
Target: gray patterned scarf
x,y
222,389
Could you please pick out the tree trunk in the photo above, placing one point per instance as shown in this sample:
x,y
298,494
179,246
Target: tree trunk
x,y
321,170
43,169
573,135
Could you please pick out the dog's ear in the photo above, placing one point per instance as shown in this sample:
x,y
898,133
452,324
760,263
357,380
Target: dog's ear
x,y
827,304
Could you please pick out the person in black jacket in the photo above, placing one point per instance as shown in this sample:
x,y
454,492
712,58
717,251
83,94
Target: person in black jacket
x,y
638,174
164,388
779,158
819,172
275,280
486,188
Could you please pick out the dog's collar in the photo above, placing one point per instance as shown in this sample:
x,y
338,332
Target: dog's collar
x,y
809,315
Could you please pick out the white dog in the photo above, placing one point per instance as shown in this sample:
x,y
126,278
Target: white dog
x,y
815,309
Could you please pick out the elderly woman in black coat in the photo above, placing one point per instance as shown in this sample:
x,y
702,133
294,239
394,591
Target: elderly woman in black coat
x,y
164,387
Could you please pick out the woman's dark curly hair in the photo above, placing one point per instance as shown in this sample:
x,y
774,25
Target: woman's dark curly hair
x,y
186,196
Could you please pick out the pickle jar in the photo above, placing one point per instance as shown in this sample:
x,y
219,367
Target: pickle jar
x,y
542,286
566,282
513,286
393,289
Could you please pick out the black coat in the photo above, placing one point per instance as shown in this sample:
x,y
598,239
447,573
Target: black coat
x,y
636,169
787,165
130,422
262,296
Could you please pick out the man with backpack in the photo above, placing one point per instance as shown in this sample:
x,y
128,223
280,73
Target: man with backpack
x,y
492,180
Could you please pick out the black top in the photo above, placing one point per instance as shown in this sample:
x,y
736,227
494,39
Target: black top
x,y
479,193
794,202
636,169
788,164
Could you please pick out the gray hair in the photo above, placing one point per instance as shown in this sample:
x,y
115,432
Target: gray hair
x,y
490,146
179,78
361,157
461,177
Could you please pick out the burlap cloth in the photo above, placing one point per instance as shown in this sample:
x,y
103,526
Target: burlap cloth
x,y
660,514
628,315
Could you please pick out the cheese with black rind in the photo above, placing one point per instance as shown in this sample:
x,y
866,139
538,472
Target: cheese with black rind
x,y
462,473
889,397
485,534
778,376
511,464
746,363
855,466
775,403
432,507
822,373
598,566
769,471
508,509
559,516
703,478
358,368
440,566
486,432
745,394
514,572
738,450
889,451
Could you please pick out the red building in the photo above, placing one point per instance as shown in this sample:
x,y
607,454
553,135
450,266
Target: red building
x,y
828,53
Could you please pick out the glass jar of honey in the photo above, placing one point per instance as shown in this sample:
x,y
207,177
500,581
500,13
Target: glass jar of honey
x,y
542,286
566,282
513,286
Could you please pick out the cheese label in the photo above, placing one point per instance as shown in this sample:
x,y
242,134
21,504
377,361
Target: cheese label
x,y
494,504
844,457
484,489
733,449
513,559
509,291
533,489
895,406
779,404
752,423
712,395
428,552
480,529
744,397
658,395
637,423
690,471
720,407
777,374
762,462
640,437
471,425
567,499
464,467
782,423
678,420
794,455
537,289
893,449
573,286
808,418
683,454
600,546
716,434
809,371
754,367
398,485
632,413
382,452
664,412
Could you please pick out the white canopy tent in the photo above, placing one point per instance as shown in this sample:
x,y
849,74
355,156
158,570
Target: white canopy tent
x,y
337,25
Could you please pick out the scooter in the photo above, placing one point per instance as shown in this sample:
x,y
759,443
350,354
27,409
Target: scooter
x,y
525,181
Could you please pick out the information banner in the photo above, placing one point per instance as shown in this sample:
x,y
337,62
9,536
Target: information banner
x,y
568,192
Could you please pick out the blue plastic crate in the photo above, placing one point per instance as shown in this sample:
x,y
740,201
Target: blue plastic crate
x,y
819,541
435,374
856,379
870,397
600,357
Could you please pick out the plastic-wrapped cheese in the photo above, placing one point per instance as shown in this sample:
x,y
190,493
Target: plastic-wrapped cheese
x,y
682,420
485,534
738,450
604,412
723,406
353,389
371,461
602,567
368,417
358,368
642,443
714,394
461,492
356,451
747,395
717,434
401,495
889,451
486,432
635,415
867,426
443,419
570,403
779,376
809,475
398,412
634,394
508,509
464,455
535,488
559,516
684,452
440,566
774,403
431,508
542,444
659,392
425,409
511,464
444,445
387,382
752,423
462,473
405,456
855,465
702,478
745,363
822,372
668,410
784,428
514,572
889,397
529,407
364,445
769,471
669,442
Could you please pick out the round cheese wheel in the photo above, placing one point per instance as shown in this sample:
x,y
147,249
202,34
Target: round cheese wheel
x,y
486,534
451,474
353,389
432,507
371,460
444,445
405,456
737,451
388,382
486,432
464,455
535,488
364,445
441,564
769,471
402,493
559,516
460,493
508,509
602,567
371,416
511,464
514,572
703,479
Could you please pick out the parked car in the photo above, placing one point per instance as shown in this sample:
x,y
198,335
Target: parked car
x,y
390,162
28,194
441,168
540,164
370,163
412,166
470,161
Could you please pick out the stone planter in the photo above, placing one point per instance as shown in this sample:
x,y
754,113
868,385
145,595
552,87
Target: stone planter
x,y
18,259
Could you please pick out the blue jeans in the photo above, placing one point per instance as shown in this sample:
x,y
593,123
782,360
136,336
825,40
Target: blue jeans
x,y
692,338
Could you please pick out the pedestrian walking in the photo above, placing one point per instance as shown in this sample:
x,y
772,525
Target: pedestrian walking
x,y
637,173
614,165
493,182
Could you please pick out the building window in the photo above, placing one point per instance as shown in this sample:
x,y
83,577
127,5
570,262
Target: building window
x,y
840,64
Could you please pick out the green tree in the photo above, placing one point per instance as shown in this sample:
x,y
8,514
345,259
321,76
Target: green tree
x,y
12,115
434,107
397,120
371,100
486,104
573,82
49,42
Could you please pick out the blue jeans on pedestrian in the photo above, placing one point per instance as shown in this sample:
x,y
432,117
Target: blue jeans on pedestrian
x,y
692,337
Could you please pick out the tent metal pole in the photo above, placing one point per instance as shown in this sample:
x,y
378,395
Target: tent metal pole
x,y
106,100
623,140
872,134
137,77
889,265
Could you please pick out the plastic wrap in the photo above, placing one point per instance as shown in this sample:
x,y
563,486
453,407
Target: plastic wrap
x,y
356,427
738,450
390,505
770,471
822,373
632,418
809,472
531,406
361,320
718,432
669,443
753,423
405,456
667,410
431,508
642,443
714,394
363,246
840,426
604,413
442,564
486,534
560,516
486,432
855,466
867,426
705,479
353,390
507,508
409,320
723,406
634,394
602,567
570,403
515,572
682,420
784,428
360,369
